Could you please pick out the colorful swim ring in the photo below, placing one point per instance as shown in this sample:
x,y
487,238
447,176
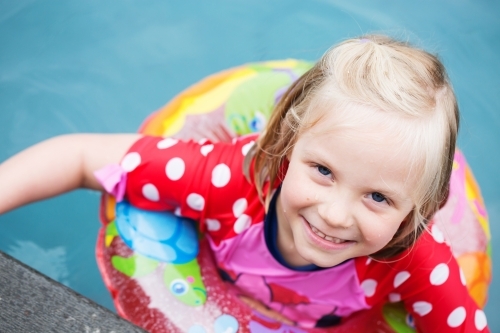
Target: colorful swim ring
x,y
161,275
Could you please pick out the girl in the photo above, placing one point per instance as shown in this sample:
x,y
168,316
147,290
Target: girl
x,y
326,213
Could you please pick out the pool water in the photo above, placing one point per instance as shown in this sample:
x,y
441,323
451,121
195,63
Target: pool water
x,y
94,66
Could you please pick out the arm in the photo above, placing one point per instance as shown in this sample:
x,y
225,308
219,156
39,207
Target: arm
x,y
58,165
436,293
428,280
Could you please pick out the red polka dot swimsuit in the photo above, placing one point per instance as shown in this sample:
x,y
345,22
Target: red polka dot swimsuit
x,y
205,182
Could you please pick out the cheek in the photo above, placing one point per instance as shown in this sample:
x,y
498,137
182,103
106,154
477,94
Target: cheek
x,y
380,233
288,195
294,191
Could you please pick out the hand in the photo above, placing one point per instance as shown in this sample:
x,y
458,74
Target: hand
x,y
211,126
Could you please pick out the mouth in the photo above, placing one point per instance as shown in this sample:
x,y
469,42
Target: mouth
x,y
331,239
324,241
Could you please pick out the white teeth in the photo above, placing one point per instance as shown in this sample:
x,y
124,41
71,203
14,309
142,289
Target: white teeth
x,y
334,240
320,234
325,237
317,232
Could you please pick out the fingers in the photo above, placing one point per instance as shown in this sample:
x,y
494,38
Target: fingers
x,y
224,133
206,126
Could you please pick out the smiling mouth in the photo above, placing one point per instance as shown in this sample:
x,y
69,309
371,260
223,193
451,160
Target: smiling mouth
x,y
334,240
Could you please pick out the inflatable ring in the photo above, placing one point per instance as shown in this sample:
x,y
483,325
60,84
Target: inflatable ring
x,y
161,275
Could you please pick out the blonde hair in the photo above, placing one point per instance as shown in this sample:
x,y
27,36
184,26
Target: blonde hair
x,y
406,83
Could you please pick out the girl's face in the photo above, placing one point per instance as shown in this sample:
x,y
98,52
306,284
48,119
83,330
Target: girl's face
x,y
345,194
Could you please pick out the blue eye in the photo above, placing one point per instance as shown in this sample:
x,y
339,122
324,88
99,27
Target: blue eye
x,y
378,197
410,321
179,287
323,170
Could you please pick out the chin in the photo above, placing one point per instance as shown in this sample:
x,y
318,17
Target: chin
x,y
329,264
314,258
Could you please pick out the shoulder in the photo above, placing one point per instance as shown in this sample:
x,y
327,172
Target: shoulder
x,y
429,262
428,280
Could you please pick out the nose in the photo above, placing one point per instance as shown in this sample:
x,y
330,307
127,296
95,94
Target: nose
x,y
336,212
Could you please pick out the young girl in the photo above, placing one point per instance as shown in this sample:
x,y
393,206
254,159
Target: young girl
x,y
325,213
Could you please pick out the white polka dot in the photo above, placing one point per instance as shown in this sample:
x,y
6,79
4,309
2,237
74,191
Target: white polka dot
x,y
150,192
239,207
369,287
462,276
422,308
456,317
195,201
393,297
400,278
175,168
166,143
221,175
177,211
480,320
213,224
368,261
131,161
202,141
247,147
437,234
206,149
242,223
439,274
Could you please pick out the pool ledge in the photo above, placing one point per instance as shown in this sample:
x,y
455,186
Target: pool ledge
x,y
32,302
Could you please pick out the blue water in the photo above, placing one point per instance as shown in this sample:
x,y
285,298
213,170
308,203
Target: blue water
x,y
103,66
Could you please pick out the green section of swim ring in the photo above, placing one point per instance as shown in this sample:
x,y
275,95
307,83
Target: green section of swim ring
x,y
299,67
184,281
135,265
395,316
250,105
253,100
111,229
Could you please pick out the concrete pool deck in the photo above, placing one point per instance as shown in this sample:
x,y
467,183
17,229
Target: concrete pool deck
x,y
32,302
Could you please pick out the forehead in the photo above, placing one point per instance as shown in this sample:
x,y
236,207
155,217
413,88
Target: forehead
x,y
327,116
333,113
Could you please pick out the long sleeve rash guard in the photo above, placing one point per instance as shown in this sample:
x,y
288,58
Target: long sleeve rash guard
x,y
204,181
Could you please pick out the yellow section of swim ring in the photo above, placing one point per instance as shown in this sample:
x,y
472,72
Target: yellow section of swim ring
x,y
476,201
